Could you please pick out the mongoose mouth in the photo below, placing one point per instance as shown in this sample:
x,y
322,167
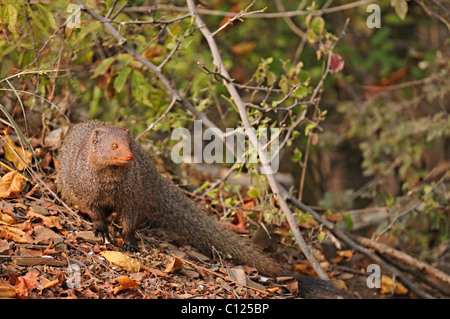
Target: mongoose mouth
x,y
123,160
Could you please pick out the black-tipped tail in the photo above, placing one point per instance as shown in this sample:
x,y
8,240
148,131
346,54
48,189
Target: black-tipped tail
x,y
314,288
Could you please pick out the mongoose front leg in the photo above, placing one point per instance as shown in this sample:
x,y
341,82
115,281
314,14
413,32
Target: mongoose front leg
x,y
98,217
129,225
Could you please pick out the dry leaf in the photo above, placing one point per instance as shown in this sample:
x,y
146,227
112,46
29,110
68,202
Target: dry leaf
x,y
49,284
27,283
49,222
7,219
345,253
125,283
14,234
176,264
238,274
123,261
6,291
11,185
45,235
388,286
10,154
153,52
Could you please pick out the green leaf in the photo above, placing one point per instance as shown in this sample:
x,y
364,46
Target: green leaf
x,y
297,156
121,79
103,66
47,15
140,87
390,202
400,7
254,192
309,127
201,188
301,92
348,221
9,16
321,236
318,25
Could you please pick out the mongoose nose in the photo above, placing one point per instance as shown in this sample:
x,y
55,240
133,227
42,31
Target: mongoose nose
x,y
129,157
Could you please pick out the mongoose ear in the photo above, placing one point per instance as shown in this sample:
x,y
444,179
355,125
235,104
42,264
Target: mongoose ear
x,y
128,132
96,135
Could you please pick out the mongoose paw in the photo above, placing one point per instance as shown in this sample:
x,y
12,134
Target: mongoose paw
x,y
131,247
104,235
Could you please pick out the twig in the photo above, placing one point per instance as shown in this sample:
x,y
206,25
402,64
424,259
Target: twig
x,y
271,15
219,65
172,104
226,278
423,267
239,17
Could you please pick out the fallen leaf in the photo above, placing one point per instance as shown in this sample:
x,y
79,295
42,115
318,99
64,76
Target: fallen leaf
x,y
89,236
238,274
345,253
11,185
7,219
49,222
6,290
27,283
125,283
389,285
123,261
16,155
45,235
49,284
13,233
176,264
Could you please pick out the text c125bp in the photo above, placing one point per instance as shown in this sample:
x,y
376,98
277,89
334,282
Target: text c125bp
x,y
230,308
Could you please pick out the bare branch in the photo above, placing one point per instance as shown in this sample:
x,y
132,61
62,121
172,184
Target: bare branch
x,y
219,65
272,15
239,17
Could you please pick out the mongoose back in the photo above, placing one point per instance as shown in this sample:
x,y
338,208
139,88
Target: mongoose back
x,y
102,169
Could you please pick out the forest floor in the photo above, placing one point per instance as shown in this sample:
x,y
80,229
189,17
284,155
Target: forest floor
x,y
47,252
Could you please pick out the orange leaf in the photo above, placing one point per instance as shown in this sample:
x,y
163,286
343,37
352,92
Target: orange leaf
x,y
388,286
176,264
49,222
153,52
16,155
27,283
121,260
11,185
14,234
125,283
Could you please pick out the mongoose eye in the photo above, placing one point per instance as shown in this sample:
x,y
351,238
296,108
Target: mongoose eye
x,y
114,146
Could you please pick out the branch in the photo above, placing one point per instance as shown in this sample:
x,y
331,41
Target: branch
x,y
219,65
357,247
272,15
385,249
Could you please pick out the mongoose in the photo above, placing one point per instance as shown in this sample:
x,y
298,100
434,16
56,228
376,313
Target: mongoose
x,y
102,169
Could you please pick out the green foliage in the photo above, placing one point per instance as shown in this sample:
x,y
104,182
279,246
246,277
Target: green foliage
x,y
386,126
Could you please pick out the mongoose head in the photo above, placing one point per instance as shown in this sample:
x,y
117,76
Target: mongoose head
x,y
111,146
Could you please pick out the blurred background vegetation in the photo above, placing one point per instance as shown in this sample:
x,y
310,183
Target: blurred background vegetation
x,y
379,144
